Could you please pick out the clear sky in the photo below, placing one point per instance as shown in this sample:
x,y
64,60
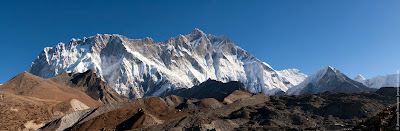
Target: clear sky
x,y
356,36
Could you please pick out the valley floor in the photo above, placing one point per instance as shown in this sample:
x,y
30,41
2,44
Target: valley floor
x,y
324,111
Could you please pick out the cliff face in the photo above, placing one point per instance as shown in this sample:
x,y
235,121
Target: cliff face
x,y
93,86
141,67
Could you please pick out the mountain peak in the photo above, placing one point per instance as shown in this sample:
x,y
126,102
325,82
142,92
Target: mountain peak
x,y
324,70
327,79
25,75
196,31
330,68
359,77
327,70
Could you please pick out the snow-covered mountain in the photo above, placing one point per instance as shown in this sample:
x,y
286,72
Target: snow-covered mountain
x,y
327,79
142,67
292,76
379,81
359,78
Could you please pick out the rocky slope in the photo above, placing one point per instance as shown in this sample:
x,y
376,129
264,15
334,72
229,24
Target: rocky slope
x,y
142,67
383,121
26,84
244,111
328,79
326,111
93,86
28,102
24,113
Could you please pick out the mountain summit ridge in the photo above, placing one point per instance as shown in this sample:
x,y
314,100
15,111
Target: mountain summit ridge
x,y
390,80
328,79
142,67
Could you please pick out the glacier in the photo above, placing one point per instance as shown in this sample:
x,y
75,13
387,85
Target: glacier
x,y
143,67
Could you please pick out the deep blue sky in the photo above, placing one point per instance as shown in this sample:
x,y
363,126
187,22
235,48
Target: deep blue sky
x,y
356,36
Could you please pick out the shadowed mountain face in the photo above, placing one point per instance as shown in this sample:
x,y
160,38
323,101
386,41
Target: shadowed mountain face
x,y
227,107
387,91
209,89
328,79
93,86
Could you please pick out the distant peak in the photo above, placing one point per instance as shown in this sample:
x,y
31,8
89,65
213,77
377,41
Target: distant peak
x,y
197,31
329,68
117,35
359,77
226,38
148,40
73,39
326,70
